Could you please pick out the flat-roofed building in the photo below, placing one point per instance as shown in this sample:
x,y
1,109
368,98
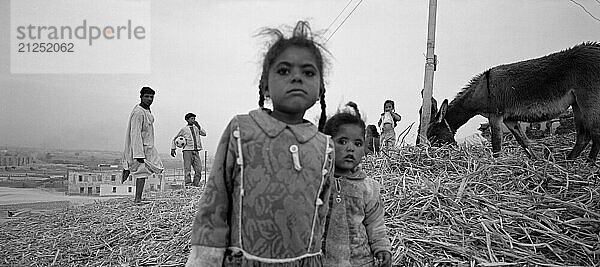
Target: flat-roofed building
x,y
15,159
108,183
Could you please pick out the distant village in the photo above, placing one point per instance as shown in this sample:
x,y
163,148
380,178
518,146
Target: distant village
x,y
78,173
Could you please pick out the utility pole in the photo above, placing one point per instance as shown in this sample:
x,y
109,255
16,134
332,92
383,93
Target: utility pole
x,y
429,69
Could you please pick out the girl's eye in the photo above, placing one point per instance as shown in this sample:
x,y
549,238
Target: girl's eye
x,y
283,71
358,144
342,141
309,73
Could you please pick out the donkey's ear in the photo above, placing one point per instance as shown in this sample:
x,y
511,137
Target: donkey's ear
x,y
434,107
442,112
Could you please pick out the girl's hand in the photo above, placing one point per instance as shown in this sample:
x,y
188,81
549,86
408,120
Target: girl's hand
x,y
194,262
384,258
201,256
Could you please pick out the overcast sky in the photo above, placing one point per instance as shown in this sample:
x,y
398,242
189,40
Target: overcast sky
x,y
205,60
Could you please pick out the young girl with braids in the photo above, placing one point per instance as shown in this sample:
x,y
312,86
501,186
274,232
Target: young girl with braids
x,y
266,199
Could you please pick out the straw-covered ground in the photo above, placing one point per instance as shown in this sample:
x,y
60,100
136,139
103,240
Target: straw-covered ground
x,y
462,207
444,207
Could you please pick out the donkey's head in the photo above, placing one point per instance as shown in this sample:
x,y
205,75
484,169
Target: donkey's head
x,y
438,131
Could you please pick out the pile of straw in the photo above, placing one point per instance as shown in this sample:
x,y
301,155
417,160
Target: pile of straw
x,y
444,207
463,207
108,233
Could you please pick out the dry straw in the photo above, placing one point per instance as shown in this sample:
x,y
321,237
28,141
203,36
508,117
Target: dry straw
x,y
445,206
457,206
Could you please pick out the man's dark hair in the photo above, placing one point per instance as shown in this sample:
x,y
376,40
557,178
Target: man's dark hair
x,y
146,90
189,115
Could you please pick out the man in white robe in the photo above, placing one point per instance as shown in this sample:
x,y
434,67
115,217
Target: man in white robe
x,y
140,157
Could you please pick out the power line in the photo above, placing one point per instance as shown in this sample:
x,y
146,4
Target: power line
x,y
338,27
584,9
340,13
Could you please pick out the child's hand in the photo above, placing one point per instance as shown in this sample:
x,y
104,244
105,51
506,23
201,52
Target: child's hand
x,y
201,256
384,258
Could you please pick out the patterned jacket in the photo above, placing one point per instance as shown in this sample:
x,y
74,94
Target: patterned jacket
x,y
268,191
356,230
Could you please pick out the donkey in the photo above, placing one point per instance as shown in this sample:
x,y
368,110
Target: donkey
x,y
533,90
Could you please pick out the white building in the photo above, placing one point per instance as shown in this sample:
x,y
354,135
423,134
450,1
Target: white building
x,y
108,183
15,159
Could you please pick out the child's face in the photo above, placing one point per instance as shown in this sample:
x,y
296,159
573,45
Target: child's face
x,y
349,148
191,120
294,81
387,107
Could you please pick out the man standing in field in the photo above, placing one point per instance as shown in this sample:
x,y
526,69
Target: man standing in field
x,y
140,157
191,151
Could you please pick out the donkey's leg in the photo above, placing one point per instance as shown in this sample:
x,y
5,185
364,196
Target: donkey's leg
x,y
495,123
515,129
583,135
595,134
595,148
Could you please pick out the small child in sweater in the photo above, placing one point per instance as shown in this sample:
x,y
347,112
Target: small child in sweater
x,y
356,234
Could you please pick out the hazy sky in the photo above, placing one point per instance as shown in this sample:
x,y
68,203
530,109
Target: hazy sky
x,y
205,60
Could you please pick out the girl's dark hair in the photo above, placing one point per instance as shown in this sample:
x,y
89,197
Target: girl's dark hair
x,y
389,101
301,37
146,90
355,107
333,124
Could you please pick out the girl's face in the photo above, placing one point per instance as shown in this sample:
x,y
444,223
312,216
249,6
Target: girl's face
x,y
349,149
387,107
294,81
